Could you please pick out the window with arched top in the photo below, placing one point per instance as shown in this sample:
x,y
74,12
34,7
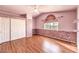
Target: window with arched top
x,y
50,18
51,23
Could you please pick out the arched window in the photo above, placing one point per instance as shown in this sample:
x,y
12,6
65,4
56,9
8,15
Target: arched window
x,y
50,18
51,23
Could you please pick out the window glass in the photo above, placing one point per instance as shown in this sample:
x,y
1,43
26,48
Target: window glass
x,y
51,26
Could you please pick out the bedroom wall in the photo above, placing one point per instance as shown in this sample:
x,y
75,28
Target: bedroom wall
x,y
67,27
65,23
78,28
29,25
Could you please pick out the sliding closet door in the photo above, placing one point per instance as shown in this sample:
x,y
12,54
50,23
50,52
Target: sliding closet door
x,y
4,29
17,28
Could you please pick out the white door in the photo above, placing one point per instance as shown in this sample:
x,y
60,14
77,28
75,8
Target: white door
x,y
4,29
11,29
17,28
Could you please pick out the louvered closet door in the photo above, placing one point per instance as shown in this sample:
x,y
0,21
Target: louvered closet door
x,y
4,29
17,29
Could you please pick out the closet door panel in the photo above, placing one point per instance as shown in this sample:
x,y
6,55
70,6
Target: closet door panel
x,y
5,29
17,28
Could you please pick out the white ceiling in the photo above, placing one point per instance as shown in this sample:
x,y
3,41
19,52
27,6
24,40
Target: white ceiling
x,y
22,9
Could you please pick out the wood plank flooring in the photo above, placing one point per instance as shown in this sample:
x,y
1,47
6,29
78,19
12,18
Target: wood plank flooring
x,y
37,44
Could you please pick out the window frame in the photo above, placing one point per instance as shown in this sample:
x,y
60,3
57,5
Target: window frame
x,y
51,26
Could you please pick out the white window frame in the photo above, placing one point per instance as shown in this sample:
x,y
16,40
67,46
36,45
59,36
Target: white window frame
x,y
51,26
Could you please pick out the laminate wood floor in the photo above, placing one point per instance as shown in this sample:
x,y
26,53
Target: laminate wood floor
x,y
37,44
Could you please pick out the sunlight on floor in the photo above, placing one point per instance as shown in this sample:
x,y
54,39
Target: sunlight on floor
x,y
51,48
